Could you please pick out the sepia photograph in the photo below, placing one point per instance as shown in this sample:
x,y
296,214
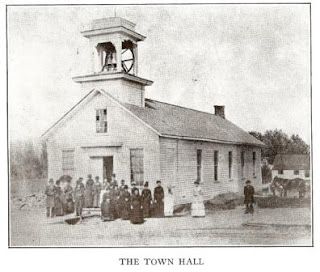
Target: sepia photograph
x,y
166,125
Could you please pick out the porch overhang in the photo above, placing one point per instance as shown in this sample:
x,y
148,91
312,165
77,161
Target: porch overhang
x,y
91,146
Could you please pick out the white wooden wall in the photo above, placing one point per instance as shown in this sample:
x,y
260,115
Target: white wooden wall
x,y
185,165
289,174
123,128
124,91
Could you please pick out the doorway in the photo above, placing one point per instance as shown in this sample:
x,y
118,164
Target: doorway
x,y
107,168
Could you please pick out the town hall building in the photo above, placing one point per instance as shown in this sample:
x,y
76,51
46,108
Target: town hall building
x,y
114,128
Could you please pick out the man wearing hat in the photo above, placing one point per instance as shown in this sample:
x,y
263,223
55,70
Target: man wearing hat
x,y
158,196
248,197
146,199
79,193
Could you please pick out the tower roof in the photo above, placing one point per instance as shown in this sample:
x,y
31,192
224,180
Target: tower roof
x,y
110,22
111,25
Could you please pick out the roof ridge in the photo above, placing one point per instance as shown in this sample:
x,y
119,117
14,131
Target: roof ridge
x,y
185,108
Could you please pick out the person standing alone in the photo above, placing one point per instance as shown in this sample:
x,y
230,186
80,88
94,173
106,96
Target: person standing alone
x,y
248,197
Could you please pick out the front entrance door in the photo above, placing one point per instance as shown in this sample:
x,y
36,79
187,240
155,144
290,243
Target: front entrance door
x,y
107,168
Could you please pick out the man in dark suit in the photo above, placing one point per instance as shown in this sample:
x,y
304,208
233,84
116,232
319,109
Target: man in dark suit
x,y
248,197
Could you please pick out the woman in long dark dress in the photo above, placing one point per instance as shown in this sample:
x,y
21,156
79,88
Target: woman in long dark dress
x,y
146,200
68,195
88,201
136,216
106,209
125,203
158,197
58,200
115,201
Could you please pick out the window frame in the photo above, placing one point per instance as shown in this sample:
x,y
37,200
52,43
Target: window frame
x,y
307,173
216,165
199,164
242,162
254,159
102,122
141,182
230,163
296,172
70,163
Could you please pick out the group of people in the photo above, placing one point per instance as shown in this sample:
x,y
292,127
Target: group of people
x,y
114,201
59,201
118,202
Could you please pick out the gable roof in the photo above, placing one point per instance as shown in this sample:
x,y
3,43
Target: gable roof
x,y
174,121
291,162
87,97
179,122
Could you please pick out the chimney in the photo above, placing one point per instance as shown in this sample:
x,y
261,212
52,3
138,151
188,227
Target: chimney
x,y
219,110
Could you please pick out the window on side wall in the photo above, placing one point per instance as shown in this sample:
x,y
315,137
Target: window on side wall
x,y
68,162
254,163
230,164
101,121
137,166
296,172
307,173
216,164
280,172
199,164
242,163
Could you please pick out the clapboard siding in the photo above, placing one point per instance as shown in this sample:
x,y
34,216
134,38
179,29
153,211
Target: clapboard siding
x,y
79,131
173,161
186,168
122,90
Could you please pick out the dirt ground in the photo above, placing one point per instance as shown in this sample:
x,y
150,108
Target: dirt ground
x,y
281,226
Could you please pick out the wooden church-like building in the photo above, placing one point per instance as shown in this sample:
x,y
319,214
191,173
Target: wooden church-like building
x,y
115,129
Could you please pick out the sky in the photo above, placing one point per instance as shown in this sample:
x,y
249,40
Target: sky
x,y
254,59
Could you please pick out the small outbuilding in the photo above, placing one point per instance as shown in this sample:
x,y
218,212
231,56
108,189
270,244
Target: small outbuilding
x,y
291,166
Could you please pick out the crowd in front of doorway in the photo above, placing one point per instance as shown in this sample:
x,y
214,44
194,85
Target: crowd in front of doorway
x,y
119,202
115,201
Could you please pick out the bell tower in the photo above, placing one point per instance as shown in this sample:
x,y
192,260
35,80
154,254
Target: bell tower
x,y
114,60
